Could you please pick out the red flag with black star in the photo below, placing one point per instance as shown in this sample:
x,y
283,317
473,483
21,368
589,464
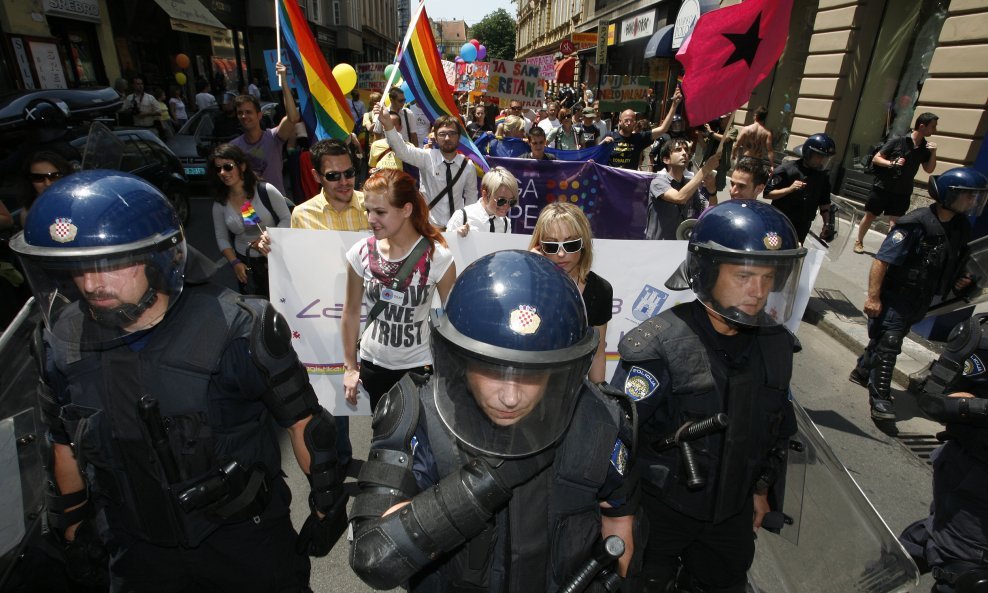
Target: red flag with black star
x,y
731,50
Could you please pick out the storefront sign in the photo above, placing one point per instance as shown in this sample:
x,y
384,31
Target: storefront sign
x,y
472,77
602,43
689,14
515,81
618,93
20,54
637,27
566,47
584,40
48,65
546,64
81,10
370,76
658,69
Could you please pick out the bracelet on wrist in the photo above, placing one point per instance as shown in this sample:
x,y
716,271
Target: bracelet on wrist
x,y
234,262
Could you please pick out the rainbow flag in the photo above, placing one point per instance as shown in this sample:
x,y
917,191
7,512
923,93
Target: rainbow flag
x,y
422,69
249,214
321,102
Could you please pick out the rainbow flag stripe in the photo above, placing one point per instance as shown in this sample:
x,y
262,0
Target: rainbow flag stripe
x,y
321,102
422,69
249,214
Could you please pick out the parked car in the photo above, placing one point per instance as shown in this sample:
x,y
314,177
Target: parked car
x,y
25,109
146,156
196,139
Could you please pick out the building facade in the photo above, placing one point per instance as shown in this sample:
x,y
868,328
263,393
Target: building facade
x,y
450,37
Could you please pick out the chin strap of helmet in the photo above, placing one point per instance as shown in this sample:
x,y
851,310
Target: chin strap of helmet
x,y
126,313
734,317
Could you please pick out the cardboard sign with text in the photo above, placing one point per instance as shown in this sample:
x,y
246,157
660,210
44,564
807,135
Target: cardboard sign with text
x,y
515,81
546,64
618,93
472,77
370,76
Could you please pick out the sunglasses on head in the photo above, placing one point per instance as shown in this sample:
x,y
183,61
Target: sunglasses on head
x,y
502,201
42,177
225,167
552,247
335,175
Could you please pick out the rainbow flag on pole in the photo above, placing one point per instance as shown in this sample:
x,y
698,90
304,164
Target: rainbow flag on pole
x,y
321,102
422,69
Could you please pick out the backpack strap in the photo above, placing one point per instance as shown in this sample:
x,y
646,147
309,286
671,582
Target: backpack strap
x,y
262,192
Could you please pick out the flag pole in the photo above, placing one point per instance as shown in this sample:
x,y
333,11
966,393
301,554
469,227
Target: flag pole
x,y
404,44
277,31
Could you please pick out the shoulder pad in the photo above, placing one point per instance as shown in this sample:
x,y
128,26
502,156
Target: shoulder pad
x,y
640,343
270,334
396,416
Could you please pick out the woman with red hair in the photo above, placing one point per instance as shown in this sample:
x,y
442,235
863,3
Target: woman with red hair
x,y
395,340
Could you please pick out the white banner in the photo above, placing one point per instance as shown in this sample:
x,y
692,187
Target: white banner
x,y
308,272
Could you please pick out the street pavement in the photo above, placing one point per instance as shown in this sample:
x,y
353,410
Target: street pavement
x,y
892,472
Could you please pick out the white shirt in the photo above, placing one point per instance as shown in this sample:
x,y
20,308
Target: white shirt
x,y
432,177
476,217
407,121
145,108
549,125
205,100
420,122
253,91
603,127
179,105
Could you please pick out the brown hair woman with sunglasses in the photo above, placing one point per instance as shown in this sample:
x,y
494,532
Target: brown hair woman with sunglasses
x,y
41,169
240,217
562,234
498,195
396,341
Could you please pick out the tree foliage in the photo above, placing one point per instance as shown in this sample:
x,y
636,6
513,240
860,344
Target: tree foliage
x,y
496,31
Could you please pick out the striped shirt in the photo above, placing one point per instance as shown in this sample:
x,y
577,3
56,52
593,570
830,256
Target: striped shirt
x,y
318,214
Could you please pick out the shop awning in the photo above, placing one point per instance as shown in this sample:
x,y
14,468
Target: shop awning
x,y
660,44
190,16
564,70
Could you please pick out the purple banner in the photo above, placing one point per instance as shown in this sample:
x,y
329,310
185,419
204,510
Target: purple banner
x,y
613,199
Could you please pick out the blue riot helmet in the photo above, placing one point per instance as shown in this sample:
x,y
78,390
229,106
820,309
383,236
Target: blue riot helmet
x,y
105,254
821,146
743,263
963,190
511,351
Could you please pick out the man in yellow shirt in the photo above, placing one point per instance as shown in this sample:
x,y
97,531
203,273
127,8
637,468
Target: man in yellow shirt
x,y
337,207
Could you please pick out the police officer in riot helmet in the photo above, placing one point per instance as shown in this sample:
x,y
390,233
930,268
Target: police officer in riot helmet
x,y
922,258
800,187
725,352
161,397
502,470
951,542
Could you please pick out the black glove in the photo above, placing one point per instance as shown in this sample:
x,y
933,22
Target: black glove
x,y
86,560
515,472
318,536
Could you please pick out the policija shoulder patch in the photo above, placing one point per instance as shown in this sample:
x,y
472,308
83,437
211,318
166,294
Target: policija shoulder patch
x,y
640,384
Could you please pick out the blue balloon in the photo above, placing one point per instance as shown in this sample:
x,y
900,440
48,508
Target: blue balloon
x,y
468,52
407,90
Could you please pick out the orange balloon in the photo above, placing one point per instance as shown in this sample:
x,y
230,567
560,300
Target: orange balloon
x,y
182,61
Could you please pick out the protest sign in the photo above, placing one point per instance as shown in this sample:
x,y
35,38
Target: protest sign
x,y
472,77
370,76
270,60
449,69
618,93
312,303
515,81
546,64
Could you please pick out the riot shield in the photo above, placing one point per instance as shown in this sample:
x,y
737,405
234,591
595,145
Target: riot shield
x,y
837,541
103,150
847,214
976,266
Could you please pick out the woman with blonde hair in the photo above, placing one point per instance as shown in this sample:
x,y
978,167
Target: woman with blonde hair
x,y
562,234
396,272
513,127
498,195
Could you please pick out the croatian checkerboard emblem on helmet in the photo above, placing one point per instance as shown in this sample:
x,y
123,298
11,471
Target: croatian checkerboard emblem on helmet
x,y
62,230
524,320
772,240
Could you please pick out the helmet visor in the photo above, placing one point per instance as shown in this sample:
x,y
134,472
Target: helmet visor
x,y
504,410
753,291
99,302
969,201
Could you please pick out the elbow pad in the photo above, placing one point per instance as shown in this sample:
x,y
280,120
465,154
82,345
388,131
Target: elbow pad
x,y
388,551
325,478
963,410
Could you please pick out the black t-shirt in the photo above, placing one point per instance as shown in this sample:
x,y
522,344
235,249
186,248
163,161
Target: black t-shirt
x,y
587,136
545,156
899,180
598,297
628,149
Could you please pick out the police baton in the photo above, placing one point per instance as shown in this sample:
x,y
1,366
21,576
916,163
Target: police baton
x,y
147,408
604,553
690,431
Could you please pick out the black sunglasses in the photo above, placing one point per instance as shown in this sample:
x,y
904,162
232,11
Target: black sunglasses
x,y
42,177
335,175
552,247
502,201
225,167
